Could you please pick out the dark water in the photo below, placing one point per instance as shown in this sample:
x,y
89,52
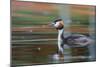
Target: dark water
x,y
30,48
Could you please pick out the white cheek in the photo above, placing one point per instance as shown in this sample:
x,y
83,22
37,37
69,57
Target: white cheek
x,y
57,24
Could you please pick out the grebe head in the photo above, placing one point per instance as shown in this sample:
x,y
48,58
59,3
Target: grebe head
x,y
58,24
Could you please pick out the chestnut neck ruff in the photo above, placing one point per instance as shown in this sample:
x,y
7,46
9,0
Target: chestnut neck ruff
x,y
61,26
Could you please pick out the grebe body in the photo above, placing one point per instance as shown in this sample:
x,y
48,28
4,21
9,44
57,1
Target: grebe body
x,y
72,40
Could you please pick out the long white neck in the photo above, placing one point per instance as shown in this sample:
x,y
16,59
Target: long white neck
x,y
60,39
60,34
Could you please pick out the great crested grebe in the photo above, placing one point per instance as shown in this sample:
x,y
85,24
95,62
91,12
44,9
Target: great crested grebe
x,y
71,40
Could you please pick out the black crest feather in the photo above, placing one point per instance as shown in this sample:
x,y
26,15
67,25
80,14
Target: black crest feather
x,y
58,20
